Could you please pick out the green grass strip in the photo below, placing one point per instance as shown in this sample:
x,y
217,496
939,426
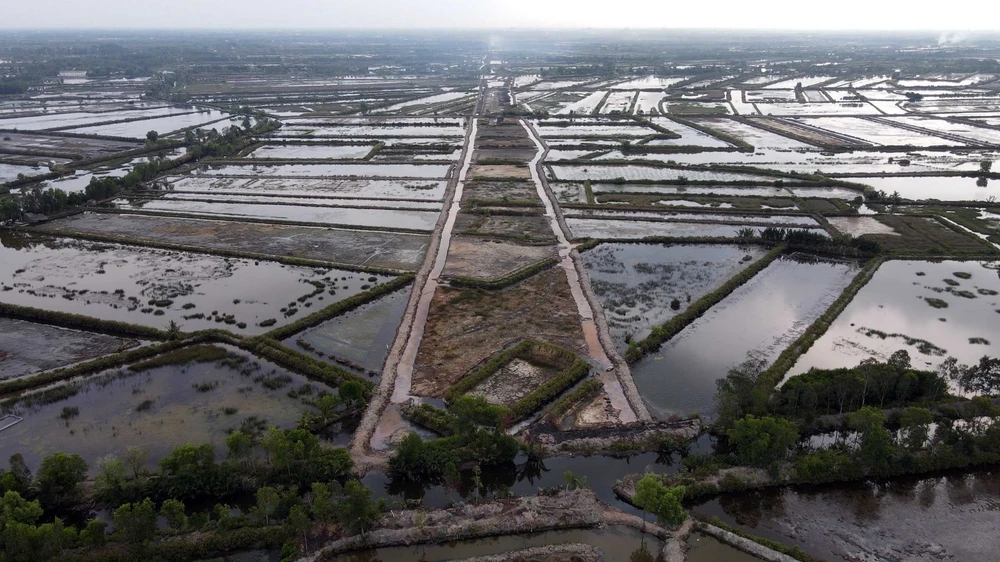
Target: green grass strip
x,y
326,372
671,327
549,390
79,321
494,363
588,390
776,372
506,280
339,307
793,551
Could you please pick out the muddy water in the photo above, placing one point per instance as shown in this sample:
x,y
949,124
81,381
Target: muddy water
x,y
112,415
954,516
151,287
617,543
362,336
764,316
636,283
894,302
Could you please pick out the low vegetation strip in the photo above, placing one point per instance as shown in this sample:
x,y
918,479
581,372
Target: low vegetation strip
x,y
771,550
147,243
326,372
339,307
670,328
531,350
549,390
99,364
586,391
776,372
69,320
506,280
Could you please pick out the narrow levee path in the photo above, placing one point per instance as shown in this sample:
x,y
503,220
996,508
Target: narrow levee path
x,y
382,416
609,372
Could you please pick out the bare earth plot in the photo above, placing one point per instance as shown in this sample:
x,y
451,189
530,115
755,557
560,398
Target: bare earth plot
x,y
465,327
481,258
368,248
26,347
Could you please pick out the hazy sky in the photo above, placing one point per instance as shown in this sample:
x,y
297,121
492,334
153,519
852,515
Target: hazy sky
x,y
339,14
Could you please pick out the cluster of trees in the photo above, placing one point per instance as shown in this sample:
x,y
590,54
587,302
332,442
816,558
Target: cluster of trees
x,y
809,239
296,481
835,391
981,378
744,390
478,437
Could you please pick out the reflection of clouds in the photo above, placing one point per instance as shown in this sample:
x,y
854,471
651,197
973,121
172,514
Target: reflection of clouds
x,y
892,303
766,314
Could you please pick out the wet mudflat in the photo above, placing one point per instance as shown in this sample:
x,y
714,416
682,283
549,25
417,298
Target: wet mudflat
x,y
152,287
348,188
372,218
370,248
763,317
948,517
933,310
617,543
194,400
638,284
26,347
360,337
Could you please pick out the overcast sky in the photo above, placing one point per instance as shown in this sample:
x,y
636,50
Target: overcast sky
x,y
340,14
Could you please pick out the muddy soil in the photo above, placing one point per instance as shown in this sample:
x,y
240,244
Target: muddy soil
x,y
351,247
512,382
479,171
482,258
465,327
533,228
27,348
513,191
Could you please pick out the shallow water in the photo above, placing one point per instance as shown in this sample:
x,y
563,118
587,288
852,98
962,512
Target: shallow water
x,y
617,543
331,170
118,282
112,417
633,229
636,283
947,517
764,316
893,303
293,151
362,336
941,188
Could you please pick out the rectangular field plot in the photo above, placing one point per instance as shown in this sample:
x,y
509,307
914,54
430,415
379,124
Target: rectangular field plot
x,y
85,148
163,125
583,106
636,172
951,188
312,152
761,317
352,131
374,218
377,249
875,132
152,287
796,221
759,138
82,119
962,130
638,283
193,395
355,188
791,109
929,309
593,129
303,201
329,170
29,348
618,102
637,229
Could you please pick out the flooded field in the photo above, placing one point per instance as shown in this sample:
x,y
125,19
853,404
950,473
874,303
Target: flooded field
x,y
640,284
633,229
605,173
27,348
152,287
384,218
392,250
348,188
361,337
942,188
945,517
157,407
763,317
895,311
337,152
163,125
330,170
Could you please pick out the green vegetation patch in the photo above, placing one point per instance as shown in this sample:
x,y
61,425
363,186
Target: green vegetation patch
x,y
202,353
